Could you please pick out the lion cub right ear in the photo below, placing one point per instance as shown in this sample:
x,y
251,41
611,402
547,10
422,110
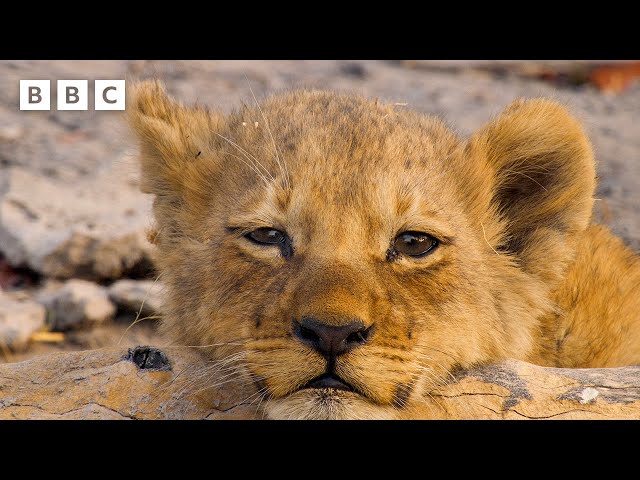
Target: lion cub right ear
x,y
172,137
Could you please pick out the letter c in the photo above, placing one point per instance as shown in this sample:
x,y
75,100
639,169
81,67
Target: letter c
x,y
104,95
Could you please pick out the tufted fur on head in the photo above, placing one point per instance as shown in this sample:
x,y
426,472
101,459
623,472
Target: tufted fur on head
x,y
341,180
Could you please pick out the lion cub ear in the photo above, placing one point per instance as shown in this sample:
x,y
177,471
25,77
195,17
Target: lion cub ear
x,y
542,178
172,137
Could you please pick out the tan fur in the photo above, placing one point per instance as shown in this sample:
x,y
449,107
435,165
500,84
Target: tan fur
x,y
520,272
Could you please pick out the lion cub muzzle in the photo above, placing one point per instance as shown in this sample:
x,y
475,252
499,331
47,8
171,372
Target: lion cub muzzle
x,y
330,341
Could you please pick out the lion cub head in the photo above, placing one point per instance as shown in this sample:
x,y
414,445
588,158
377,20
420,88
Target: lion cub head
x,y
345,255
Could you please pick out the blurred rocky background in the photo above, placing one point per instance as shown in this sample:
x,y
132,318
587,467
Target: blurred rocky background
x,y
74,260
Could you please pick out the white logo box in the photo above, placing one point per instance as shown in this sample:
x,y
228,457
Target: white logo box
x,y
72,94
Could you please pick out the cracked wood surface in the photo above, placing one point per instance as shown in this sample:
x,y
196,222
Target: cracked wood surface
x,y
119,384
176,383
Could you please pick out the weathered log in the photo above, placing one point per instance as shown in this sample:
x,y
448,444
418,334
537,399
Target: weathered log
x,y
140,383
518,390
171,383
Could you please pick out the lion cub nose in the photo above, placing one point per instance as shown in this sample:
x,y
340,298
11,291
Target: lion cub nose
x,y
331,340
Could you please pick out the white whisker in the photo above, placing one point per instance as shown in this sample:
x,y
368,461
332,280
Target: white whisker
x,y
281,165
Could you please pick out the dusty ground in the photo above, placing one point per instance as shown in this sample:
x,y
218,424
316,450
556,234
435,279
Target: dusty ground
x,y
69,205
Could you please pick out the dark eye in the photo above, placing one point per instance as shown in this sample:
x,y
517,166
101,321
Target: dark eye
x,y
414,244
267,236
271,236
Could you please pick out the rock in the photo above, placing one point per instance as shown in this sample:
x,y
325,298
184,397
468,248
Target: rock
x,y
91,229
19,319
10,133
77,304
144,296
12,278
167,383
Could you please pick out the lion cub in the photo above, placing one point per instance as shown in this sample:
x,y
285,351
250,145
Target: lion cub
x,y
345,255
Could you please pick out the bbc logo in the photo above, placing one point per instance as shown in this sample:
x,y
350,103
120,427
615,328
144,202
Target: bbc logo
x,y
72,94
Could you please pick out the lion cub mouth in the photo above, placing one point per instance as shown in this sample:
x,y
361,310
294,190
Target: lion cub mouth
x,y
329,381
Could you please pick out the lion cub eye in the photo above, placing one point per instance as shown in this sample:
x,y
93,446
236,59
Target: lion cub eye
x,y
271,236
414,244
267,236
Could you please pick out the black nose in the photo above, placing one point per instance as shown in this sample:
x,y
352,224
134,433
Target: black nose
x,y
330,340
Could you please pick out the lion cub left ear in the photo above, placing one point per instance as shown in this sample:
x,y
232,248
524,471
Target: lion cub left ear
x,y
540,179
171,136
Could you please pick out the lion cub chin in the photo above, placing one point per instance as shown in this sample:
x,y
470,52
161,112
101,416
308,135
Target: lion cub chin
x,y
326,404
344,256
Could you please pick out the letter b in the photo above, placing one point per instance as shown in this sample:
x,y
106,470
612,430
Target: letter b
x,y
73,94
35,95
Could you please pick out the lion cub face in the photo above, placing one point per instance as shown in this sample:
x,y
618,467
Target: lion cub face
x,y
345,255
